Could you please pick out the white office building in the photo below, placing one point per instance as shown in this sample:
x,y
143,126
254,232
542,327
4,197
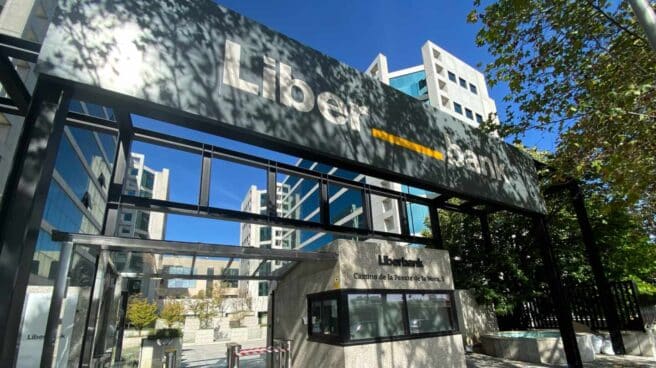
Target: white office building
x,y
260,236
443,81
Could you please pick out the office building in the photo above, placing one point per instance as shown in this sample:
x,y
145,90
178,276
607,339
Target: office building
x,y
444,82
260,236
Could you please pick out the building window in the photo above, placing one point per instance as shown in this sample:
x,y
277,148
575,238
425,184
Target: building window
x,y
375,315
452,77
457,107
127,217
263,318
323,321
234,273
469,114
147,180
125,230
429,313
263,288
143,219
479,119
134,172
463,83
354,317
473,89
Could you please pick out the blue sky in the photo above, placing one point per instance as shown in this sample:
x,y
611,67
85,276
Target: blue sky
x,y
353,32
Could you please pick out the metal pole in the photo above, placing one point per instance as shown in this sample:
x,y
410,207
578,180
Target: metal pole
x,y
592,250
232,354
58,295
22,209
288,353
558,295
647,18
436,230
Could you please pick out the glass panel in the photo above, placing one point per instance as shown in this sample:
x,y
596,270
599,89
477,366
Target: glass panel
x,y
345,206
69,166
300,198
375,315
429,313
413,84
419,219
384,214
237,187
176,173
323,317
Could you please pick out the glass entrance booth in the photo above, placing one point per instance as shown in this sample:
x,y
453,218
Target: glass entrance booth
x,y
384,304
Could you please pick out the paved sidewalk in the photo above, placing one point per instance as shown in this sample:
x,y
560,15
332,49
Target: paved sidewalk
x,y
214,355
601,361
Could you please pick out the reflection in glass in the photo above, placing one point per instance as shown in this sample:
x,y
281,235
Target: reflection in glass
x,y
323,317
375,315
429,313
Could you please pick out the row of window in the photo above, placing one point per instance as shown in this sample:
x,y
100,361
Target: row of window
x,y
467,112
463,83
347,317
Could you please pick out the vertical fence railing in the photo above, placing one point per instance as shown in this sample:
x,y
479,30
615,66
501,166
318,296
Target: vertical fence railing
x,y
586,309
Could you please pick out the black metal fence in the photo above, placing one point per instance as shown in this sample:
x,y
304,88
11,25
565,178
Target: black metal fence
x,y
586,309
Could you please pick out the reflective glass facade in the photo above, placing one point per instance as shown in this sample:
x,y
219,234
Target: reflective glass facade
x,y
413,84
76,202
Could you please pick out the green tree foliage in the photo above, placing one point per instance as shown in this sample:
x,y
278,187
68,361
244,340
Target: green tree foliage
x,y
173,312
582,69
511,269
141,313
206,307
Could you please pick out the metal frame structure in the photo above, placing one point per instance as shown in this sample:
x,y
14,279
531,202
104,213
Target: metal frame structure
x,y
46,113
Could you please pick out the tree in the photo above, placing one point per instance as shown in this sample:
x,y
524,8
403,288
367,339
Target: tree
x,y
510,270
581,69
173,312
141,313
207,307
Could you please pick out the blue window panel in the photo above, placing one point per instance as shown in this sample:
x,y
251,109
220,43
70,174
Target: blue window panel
x,y
345,204
452,77
345,174
413,84
109,144
95,110
469,114
417,215
305,164
76,106
479,119
86,140
70,167
463,83
457,107
60,211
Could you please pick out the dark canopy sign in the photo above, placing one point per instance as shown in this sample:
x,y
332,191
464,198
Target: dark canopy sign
x,y
237,75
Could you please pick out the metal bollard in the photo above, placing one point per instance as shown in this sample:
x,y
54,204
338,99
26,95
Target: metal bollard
x,y
232,350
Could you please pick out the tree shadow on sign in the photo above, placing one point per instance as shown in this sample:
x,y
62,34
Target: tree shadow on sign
x,y
171,53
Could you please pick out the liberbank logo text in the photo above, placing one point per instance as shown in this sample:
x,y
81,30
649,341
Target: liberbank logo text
x,y
297,94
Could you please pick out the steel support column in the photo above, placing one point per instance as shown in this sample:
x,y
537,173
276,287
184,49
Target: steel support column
x,y
557,293
603,286
58,295
20,217
121,164
436,230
